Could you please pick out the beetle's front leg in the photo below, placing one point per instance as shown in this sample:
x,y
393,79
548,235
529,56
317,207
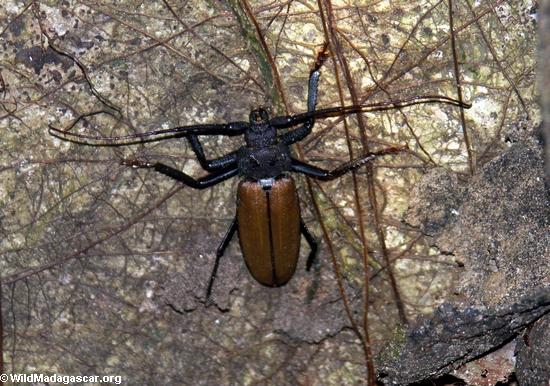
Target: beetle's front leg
x,y
201,183
304,130
213,164
327,175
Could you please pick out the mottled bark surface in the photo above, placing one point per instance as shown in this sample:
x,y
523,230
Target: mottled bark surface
x,y
456,336
104,268
498,226
544,77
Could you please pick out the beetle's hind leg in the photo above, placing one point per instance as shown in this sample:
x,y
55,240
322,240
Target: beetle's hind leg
x,y
200,183
219,253
312,245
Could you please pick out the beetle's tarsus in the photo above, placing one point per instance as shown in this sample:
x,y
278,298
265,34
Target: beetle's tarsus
x,y
208,302
137,164
321,57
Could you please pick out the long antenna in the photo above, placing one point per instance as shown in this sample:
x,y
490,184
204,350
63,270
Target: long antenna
x,y
291,120
238,128
229,129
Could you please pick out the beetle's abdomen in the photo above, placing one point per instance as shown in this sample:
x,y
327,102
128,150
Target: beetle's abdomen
x,y
269,229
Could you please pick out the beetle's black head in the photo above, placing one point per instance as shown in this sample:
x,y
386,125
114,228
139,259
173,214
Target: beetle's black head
x,y
260,133
259,116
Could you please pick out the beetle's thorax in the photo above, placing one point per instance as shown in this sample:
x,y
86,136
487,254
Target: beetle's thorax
x,y
263,157
260,135
265,162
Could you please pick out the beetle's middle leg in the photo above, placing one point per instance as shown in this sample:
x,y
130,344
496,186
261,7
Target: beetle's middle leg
x,y
219,253
327,175
210,165
312,245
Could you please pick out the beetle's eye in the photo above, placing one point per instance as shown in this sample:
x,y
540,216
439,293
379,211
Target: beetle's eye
x,y
254,116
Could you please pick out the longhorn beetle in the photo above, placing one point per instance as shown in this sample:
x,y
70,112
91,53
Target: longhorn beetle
x,y
268,218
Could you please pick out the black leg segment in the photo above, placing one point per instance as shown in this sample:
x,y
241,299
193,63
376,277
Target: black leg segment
x,y
213,164
312,245
201,183
219,253
304,130
327,175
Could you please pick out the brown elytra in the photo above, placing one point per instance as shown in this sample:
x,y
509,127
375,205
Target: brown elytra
x,y
269,229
